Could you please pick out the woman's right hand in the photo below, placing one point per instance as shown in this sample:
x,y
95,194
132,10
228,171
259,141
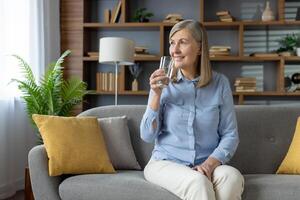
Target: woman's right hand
x,y
156,76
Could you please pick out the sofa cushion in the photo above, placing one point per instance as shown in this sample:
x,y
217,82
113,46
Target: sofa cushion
x,y
73,145
134,114
291,162
271,186
124,185
117,139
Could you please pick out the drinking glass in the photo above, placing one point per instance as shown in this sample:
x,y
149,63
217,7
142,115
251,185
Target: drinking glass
x,y
167,64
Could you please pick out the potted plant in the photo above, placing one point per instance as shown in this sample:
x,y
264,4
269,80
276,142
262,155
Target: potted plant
x,y
288,45
141,15
52,95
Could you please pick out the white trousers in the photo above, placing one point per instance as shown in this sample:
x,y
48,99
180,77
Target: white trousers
x,y
188,184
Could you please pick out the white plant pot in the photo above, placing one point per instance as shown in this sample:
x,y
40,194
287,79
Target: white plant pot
x,y
298,51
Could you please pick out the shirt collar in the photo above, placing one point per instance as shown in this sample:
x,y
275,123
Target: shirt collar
x,y
180,76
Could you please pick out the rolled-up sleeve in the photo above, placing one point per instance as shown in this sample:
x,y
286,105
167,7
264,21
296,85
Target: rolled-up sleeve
x,y
147,129
227,129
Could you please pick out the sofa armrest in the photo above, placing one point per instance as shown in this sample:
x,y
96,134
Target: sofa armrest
x,y
44,187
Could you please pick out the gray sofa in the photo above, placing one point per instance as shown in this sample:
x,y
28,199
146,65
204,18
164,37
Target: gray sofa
x,y
265,134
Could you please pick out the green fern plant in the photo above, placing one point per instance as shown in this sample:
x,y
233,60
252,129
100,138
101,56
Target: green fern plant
x,y
289,43
52,95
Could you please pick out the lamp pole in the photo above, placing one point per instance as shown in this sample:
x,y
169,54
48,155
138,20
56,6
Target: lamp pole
x,y
116,83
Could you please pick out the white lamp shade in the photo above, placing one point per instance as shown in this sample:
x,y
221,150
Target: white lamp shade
x,y
116,50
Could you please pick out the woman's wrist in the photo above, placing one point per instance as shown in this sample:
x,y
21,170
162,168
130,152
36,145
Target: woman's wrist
x,y
155,101
213,162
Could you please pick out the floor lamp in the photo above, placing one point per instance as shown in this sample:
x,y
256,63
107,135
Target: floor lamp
x,y
116,51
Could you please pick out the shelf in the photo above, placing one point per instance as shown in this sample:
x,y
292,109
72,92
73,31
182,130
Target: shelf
x,y
254,59
218,24
292,58
127,25
207,24
218,58
140,58
245,58
271,23
249,23
82,28
126,92
269,93
122,25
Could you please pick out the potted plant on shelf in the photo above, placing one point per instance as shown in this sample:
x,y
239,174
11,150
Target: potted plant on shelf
x,y
141,15
52,95
288,45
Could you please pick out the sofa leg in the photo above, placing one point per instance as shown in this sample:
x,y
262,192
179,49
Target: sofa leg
x,y
28,189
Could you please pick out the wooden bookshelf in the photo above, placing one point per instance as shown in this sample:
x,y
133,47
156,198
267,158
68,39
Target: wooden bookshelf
x,y
78,30
124,92
139,58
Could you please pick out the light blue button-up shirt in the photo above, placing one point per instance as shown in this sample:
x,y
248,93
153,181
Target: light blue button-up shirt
x,y
192,123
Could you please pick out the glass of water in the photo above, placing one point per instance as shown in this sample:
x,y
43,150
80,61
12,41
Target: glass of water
x,y
167,64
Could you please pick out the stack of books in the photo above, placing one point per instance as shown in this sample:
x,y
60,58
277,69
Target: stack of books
x,y
105,81
245,84
140,51
224,16
173,18
114,15
93,54
219,51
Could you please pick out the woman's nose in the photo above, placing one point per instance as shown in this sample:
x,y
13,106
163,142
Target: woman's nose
x,y
175,48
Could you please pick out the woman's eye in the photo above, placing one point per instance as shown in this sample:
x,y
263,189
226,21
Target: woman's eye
x,y
183,42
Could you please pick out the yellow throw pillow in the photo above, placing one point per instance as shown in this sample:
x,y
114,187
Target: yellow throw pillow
x,y
291,162
74,145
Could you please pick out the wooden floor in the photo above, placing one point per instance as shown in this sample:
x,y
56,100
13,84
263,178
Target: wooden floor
x,y
18,196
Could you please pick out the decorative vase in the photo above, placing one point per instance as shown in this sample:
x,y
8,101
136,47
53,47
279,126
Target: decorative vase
x,y
134,85
267,14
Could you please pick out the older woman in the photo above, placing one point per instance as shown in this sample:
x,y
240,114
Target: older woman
x,y
192,122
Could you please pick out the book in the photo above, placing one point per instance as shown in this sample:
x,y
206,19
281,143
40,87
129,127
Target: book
x,y
248,90
143,55
225,17
93,54
222,12
140,49
116,12
246,78
220,47
98,81
106,16
226,20
219,50
219,53
245,87
110,81
247,84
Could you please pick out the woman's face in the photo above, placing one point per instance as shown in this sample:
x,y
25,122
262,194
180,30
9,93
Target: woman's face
x,y
184,49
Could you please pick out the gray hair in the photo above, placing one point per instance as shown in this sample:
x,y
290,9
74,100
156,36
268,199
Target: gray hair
x,y
198,32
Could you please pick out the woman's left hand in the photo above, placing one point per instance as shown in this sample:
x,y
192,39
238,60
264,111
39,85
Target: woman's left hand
x,y
207,167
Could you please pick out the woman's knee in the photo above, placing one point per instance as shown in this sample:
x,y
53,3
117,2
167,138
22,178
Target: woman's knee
x,y
228,183
228,174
